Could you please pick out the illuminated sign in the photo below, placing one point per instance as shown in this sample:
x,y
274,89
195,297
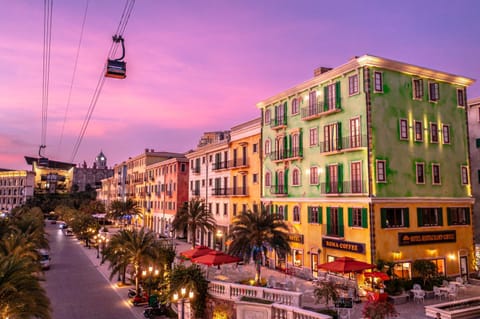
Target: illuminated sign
x,y
295,238
358,248
420,238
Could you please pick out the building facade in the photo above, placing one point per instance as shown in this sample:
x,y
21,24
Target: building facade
x,y
16,187
370,160
51,176
474,143
88,178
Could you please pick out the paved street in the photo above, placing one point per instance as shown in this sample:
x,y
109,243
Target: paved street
x,y
77,290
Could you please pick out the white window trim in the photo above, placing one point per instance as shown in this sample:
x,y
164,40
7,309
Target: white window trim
x,y
299,177
462,168
299,215
413,89
358,85
439,174
416,173
431,130
464,95
449,134
374,84
400,125
310,175
384,171
269,117
415,131
429,92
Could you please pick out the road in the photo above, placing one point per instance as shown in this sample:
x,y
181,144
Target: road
x,y
77,290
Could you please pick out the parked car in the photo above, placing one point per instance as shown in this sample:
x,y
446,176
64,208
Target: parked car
x,y
141,299
68,232
62,225
44,259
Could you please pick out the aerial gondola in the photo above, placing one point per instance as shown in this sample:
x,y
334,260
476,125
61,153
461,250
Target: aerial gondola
x,y
42,160
117,68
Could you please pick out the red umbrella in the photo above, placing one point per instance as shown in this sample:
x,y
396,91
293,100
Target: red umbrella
x,y
377,274
346,265
196,252
216,258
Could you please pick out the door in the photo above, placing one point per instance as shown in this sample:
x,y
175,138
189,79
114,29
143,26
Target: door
x,y
464,267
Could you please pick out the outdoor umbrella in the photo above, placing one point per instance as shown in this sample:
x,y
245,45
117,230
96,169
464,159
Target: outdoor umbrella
x,y
376,274
216,258
346,265
196,252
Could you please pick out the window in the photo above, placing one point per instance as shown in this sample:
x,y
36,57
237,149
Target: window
x,y
244,208
234,209
417,89
280,212
225,209
314,215
295,107
333,177
209,182
268,116
296,177
436,174
353,84
378,82
394,217
381,177
464,173
255,178
356,177
335,221
446,134
268,179
420,172
217,208
429,217
295,145
183,167
403,129
255,148
460,97
332,139
357,217
355,137
331,97
313,176
433,133
268,148
418,131
280,114
458,216
296,214
433,91
313,136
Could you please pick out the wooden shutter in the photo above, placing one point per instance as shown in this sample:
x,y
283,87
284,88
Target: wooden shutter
x,y
309,212
364,218
350,217
340,177
449,216
300,143
467,216
419,217
383,216
329,220
337,95
339,136
285,212
320,215
290,147
327,180
325,98
340,222
440,217
285,110
407,217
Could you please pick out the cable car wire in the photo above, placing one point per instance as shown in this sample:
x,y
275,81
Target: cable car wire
x,y
67,106
127,11
47,44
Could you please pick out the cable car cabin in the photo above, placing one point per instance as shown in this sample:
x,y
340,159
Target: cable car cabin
x,y
116,69
43,161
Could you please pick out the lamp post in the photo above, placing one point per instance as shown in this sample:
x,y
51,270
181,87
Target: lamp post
x,y
97,238
150,274
182,298
219,236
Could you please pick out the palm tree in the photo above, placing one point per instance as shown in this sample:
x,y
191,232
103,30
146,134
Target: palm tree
x,y
252,232
119,209
136,247
194,215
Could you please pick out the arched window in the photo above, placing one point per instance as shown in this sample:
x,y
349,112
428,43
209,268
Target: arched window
x,y
296,177
296,214
267,117
280,212
295,106
268,147
268,179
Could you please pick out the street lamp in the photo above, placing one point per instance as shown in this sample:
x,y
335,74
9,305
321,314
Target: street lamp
x,y
219,236
182,298
151,273
97,238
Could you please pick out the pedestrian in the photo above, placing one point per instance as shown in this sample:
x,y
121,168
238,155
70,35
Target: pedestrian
x,y
438,316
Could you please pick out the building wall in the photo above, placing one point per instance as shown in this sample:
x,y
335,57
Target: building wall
x,y
474,135
16,187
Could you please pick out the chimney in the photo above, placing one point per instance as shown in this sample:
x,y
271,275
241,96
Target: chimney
x,y
151,150
146,150
320,70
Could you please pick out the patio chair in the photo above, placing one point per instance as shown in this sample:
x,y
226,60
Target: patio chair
x,y
271,282
452,292
445,283
460,284
438,293
418,295
417,287
289,285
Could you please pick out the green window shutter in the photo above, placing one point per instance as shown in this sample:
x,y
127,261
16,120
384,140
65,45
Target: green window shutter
x,y
285,146
339,135
325,98
276,182
350,217
276,209
327,180
309,212
275,122
440,218
338,98
285,212
320,215
290,147
407,217
364,218
329,220
419,217
467,216
449,216
300,143
340,178
383,215
285,110
340,222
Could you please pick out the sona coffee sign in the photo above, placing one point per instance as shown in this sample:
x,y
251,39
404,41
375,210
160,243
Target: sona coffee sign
x,y
420,238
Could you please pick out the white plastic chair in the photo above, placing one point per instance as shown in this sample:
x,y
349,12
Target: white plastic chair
x,y
417,287
418,295
438,293
452,292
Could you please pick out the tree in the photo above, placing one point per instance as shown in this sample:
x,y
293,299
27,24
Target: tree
x,y
135,247
193,216
426,269
379,310
253,232
120,210
326,291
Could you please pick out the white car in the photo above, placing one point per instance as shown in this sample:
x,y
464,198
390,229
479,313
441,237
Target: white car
x,y
68,232
44,258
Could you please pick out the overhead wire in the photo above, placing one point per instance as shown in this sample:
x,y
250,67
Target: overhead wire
x,y
47,44
67,106
127,11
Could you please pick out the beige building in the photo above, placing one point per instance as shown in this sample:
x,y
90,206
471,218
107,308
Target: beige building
x,y
16,187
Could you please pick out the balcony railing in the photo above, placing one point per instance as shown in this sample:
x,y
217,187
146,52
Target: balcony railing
x,y
345,143
279,122
219,191
169,193
280,190
219,165
345,187
239,162
196,170
195,192
317,110
279,155
229,191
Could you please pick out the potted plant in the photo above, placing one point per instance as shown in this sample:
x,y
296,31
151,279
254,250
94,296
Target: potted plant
x,y
326,291
379,310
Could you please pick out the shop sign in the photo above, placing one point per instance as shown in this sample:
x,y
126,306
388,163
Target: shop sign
x,y
420,238
358,248
295,238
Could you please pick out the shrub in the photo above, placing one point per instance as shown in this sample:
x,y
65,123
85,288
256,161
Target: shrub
x,y
379,310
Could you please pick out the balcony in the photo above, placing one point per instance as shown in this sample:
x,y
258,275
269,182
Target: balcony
x,y
315,111
348,143
345,187
238,163
219,165
220,191
286,154
195,192
195,170
169,193
279,190
237,191
279,122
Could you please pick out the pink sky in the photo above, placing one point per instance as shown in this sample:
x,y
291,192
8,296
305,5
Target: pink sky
x,y
195,66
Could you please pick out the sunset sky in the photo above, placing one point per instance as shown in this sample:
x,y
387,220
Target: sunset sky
x,y
200,65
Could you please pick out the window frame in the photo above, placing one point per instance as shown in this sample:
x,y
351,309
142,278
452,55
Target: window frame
x,y
331,96
355,130
445,128
464,175
357,220
296,177
458,221
403,123
461,98
313,136
403,217
377,82
433,92
268,147
417,89
313,175
381,168
436,174
434,128
268,117
296,214
356,185
420,173
268,179
314,214
295,108
418,131
353,85
429,216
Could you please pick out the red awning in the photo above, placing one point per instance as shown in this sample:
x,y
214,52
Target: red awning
x,y
196,252
346,265
216,258
376,274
